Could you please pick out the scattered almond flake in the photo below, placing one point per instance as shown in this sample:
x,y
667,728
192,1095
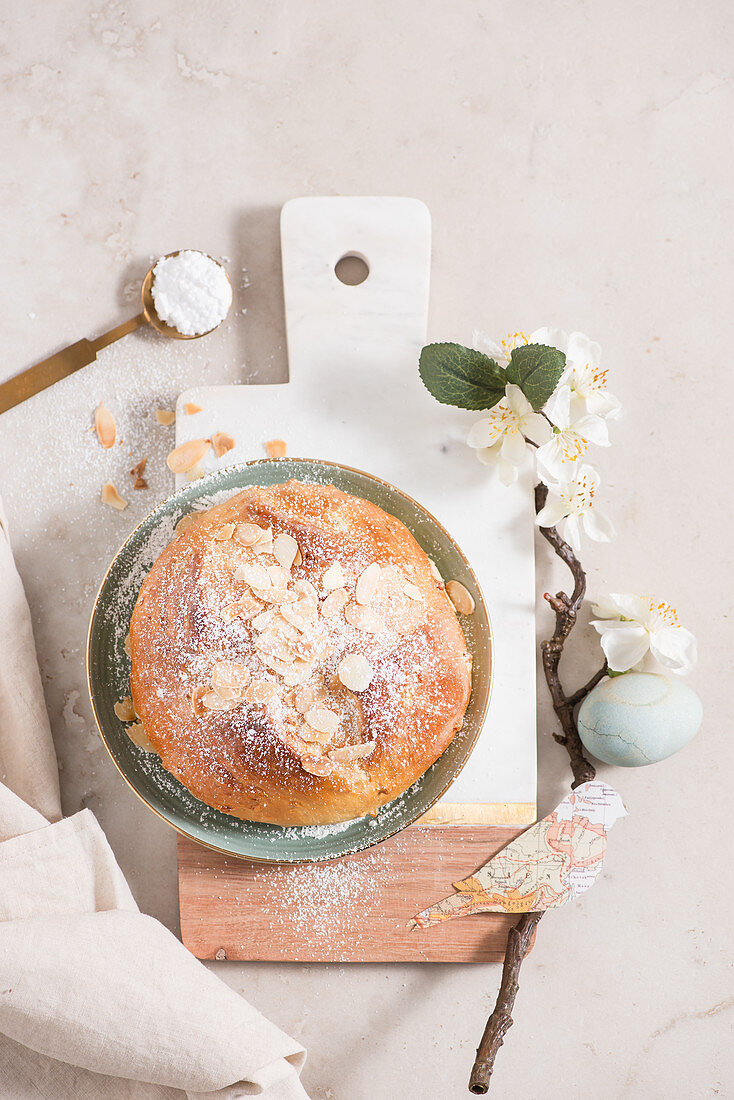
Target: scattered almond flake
x,y
279,577
434,571
138,736
213,701
285,549
323,720
275,664
248,533
111,496
244,608
460,597
223,533
262,621
136,473
355,672
104,423
364,618
253,574
261,692
304,698
190,408
187,455
314,736
222,442
298,560
184,522
304,588
335,602
197,694
413,591
126,644
334,576
165,416
125,710
230,678
273,645
298,673
292,615
276,448
263,546
348,753
315,765
367,583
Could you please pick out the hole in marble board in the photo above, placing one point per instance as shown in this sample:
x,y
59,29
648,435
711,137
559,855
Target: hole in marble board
x,y
352,269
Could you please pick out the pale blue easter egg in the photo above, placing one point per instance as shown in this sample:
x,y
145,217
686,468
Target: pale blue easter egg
x,y
638,719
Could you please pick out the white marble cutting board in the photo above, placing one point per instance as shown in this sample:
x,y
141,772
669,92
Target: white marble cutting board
x,y
354,396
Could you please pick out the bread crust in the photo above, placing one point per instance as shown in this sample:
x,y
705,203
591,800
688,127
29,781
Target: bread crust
x,y
252,761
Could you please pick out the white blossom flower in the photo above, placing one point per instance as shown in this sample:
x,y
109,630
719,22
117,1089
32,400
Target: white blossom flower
x,y
570,506
583,374
499,352
630,626
571,436
500,436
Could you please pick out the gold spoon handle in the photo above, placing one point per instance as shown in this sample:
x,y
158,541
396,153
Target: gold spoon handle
x,y
61,365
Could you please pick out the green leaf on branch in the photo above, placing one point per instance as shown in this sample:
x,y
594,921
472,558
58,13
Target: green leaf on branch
x,y
461,376
536,369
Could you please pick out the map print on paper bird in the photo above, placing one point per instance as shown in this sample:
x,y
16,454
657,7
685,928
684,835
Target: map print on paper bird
x,y
546,866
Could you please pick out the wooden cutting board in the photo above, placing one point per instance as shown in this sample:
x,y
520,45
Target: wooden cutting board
x,y
353,909
354,396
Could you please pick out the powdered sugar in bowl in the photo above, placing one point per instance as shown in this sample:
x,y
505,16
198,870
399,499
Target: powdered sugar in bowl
x,y
186,294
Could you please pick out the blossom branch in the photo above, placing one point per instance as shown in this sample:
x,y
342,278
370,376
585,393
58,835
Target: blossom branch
x,y
520,936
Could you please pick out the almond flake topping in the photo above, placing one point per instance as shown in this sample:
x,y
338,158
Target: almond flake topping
x,y
323,720
334,602
222,442
223,533
125,710
352,752
355,672
364,618
334,576
367,583
248,533
165,416
314,736
253,574
111,496
460,597
104,424
194,473
304,698
184,522
316,765
190,408
434,571
244,608
412,590
229,679
261,692
213,701
285,549
126,644
187,455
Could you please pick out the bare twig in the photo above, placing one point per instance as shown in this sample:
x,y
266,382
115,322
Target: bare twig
x,y
520,935
518,941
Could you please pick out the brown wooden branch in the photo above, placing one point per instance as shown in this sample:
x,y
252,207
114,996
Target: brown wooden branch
x,y
520,937
518,942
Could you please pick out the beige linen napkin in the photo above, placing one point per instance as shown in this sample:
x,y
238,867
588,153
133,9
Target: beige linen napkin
x,y
97,999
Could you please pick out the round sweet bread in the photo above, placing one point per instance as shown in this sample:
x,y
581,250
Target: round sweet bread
x,y
295,658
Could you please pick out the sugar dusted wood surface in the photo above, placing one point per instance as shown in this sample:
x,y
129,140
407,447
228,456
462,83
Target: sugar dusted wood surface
x,y
349,910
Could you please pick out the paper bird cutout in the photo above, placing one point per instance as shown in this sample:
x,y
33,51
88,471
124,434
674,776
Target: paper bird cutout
x,y
546,866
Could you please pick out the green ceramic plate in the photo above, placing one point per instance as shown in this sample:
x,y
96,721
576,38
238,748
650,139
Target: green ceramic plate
x,y
108,672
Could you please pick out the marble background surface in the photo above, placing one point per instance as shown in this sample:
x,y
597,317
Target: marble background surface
x,y
575,161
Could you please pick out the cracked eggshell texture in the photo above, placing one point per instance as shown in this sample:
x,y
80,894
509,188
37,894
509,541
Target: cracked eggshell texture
x,y
639,718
